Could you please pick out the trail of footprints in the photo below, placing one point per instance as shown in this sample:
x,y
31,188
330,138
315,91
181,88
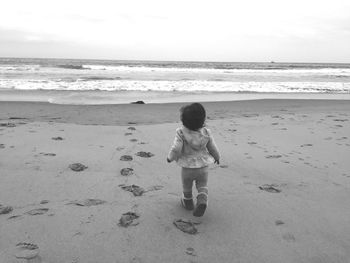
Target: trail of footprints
x,y
131,218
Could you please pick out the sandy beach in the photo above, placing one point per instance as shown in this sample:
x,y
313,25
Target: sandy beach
x,y
280,194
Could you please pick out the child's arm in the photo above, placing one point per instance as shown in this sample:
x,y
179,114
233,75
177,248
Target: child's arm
x,y
212,148
176,148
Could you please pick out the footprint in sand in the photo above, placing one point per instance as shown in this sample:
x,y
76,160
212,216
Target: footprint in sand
x,y
271,188
57,138
132,128
126,171
77,167
273,156
133,140
223,166
186,225
27,251
135,189
5,209
48,154
129,219
126,158
306,145
341,120
127,133
120,148
144,154
87,202
38,211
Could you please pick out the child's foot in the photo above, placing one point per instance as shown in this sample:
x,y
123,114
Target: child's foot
x,y
201,206
187,203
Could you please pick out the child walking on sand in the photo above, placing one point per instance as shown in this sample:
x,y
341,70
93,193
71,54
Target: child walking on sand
x,y
194,149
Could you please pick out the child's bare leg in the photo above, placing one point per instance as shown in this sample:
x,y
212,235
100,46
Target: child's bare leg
x,y
202,188
187,183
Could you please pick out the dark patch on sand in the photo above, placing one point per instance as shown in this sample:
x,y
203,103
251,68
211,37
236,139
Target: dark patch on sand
x,y
132,128
273,156
57,138
38,211
120,148
129,219
271,188
126,158
144,154
77,167
279,222
186,225
87,202
126,171
135,189
48,154
306,145
5,209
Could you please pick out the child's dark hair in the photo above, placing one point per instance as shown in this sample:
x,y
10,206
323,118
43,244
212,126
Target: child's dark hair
x,y
193,116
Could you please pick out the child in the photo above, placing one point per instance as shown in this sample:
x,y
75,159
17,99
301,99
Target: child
x,y
194,149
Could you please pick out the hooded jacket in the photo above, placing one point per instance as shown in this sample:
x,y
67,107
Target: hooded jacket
x,y
193,149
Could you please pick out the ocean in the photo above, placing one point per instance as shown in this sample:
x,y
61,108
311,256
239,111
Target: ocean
x,y
76,81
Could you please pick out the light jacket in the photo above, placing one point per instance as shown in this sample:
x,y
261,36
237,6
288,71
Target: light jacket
x,y
193,149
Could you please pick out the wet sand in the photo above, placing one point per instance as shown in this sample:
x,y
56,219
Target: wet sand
x,y
280,193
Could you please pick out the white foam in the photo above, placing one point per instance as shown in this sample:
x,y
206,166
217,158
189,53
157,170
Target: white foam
x,y
181,86
296,71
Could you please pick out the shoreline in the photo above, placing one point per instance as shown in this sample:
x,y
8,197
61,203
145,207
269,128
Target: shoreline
x,y
152,113
126,97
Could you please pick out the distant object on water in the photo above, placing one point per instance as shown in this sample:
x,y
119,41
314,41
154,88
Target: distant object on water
x,y
138,102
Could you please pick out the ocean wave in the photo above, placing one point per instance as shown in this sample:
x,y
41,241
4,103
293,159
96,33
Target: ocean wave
x,y
275,70
10,68
179,86
93,78
70,66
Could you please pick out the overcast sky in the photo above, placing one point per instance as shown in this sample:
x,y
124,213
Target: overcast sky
x,y
218,30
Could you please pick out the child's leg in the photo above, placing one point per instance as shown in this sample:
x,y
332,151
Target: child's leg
x,y
202,188
187,183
